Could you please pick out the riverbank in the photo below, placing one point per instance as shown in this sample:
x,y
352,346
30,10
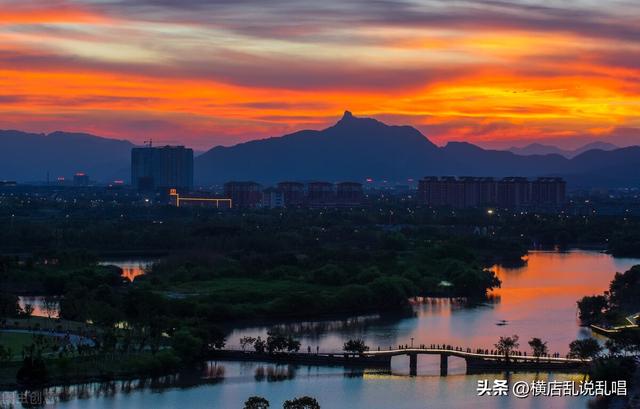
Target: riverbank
x,y
97,368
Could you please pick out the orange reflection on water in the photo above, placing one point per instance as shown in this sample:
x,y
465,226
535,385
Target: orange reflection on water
x,y
42,306
131,269
553,274
130,273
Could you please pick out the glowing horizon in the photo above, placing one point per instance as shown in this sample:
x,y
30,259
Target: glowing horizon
x,y
205,73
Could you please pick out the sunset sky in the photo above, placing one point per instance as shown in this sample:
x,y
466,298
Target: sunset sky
x,y
497,73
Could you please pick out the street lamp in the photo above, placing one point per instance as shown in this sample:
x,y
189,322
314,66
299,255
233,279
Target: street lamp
x,y
411,342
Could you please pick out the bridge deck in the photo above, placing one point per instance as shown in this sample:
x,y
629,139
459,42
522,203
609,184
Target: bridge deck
x,y
473,355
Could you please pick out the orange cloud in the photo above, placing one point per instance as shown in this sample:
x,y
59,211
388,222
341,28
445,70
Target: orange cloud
x,y
172,75
46,14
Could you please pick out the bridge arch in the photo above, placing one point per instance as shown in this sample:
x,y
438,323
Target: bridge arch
x,y
428,365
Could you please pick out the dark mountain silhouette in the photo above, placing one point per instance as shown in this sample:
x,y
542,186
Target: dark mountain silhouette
x,y
352,149
462,158
541,149
357,148
597,168
28,156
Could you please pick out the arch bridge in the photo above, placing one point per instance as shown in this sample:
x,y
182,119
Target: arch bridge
x,y
481,362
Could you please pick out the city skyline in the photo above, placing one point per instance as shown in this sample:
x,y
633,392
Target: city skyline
x,y
496,73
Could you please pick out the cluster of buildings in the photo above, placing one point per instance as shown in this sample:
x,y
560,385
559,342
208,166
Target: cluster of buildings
x,y
292,194
508,192
285,194
170,169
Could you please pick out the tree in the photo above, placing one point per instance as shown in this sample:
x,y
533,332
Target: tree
x,y
5,354
590,309
624,290
293,345
50,306
9,306
187,346
304,402
260,345
28,310
33,370
256,402
247,341
506,345
355,346
277,342
538,348
212,335
353,296
627,341
391,292
584,348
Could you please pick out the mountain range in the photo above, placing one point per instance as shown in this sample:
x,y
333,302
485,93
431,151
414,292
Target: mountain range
x,y
541,149
31,157
352,149
358,148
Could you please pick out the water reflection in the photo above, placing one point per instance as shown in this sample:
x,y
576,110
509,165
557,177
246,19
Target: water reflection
x,y
131,269
548,285
274,373
43,306
315,329
333,387
53,396
537,299
213,371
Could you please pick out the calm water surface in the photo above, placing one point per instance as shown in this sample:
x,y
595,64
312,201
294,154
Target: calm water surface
x,y
42,306
536,300
130,268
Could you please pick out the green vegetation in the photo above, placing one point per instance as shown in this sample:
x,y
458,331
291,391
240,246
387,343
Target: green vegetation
x,y
276,343
622,300
16,342
617,360
587,348
356,346
303,402
362,272
538,347
506,345
256,402
223,267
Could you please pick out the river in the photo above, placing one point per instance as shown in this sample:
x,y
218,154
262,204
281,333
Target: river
x,y
537,300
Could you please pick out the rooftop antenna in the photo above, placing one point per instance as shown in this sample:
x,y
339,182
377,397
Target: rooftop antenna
x,y
149,143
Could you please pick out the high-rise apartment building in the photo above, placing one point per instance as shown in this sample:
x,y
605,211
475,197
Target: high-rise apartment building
x,y
166,167
509,192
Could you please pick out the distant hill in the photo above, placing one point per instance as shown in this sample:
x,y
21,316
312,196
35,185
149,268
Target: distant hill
x,y
28,156
357,148
540,149
596,168
352,149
